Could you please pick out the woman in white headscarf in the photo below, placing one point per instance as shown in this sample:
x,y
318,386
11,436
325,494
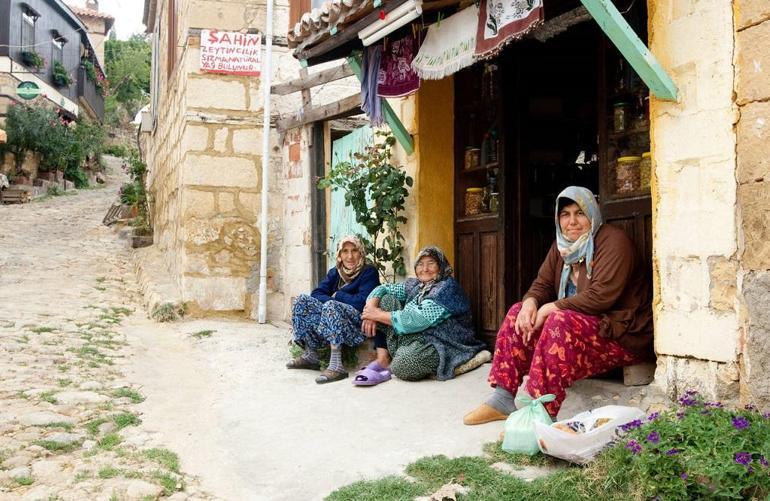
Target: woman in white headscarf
x,y
588,311
331,314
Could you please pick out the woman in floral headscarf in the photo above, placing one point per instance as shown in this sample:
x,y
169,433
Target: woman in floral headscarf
x,y
588,311
427,320
331,314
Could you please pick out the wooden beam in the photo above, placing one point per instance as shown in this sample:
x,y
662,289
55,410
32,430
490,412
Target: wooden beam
x,y
347,33
316,114
637,54
310,81
398,129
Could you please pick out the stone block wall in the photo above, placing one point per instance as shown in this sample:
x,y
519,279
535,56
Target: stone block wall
x,y
753,175
697,320
205,162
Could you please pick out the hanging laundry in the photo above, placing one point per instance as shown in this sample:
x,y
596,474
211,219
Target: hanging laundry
x,y
449,46
501,21
396,77
371,103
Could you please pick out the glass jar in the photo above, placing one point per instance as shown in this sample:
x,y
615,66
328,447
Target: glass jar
x,y
645,170
627,175
494,202
472,157
620,116
474,201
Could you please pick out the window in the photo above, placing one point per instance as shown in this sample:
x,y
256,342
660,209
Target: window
x,y
28,20
57,48
172,37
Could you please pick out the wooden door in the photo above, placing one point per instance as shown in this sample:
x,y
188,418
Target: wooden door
x,y
343,219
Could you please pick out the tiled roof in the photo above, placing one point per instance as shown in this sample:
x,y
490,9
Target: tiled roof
x,y
81,12
314,26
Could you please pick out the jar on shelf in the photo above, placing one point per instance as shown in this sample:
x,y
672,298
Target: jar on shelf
x,y
645,170
472,157
474,201
494,202
627,175
620,116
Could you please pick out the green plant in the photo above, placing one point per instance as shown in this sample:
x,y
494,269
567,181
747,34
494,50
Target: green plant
x,y
117,150
202,334
108,472
168,312
132,395
125,419
164,457
57,446
109,441
60,75
54,191
700,450
93,76
33,58
24,480
377,191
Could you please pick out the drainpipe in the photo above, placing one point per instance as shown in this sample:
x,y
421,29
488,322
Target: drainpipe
x,y
266,74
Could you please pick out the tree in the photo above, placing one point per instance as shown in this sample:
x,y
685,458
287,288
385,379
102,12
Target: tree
x,y
128,66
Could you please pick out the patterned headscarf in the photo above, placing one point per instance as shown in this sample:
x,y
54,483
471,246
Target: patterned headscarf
x,y
347,275
582,248
444,270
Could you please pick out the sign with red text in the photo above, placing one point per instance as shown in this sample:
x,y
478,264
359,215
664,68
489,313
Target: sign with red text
x,y
231,53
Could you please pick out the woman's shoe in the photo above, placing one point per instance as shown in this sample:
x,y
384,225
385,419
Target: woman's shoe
x,y
484,413
328,376
371,375
301,363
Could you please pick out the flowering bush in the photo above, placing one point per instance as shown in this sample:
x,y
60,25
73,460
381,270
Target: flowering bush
x,y
700,450
60,75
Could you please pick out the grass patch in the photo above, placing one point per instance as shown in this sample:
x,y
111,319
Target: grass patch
x,y
100,288
82,476
42,329
202,334
168,312
389,488
164,457
48,396
133,395
62,425
100,280
93,426
125,419
108,472
53,446
64,382
168,481
24,480
109,441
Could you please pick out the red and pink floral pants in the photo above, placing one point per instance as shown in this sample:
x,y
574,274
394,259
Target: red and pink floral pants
x,y
566,349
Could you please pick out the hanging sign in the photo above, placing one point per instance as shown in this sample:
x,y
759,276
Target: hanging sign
x,y
28,90
231,53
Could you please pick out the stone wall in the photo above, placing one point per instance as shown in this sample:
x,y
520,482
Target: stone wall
x,y
697,328
753,176
205,161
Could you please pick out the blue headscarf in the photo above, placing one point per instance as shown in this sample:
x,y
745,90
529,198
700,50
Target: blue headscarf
x,y
582,248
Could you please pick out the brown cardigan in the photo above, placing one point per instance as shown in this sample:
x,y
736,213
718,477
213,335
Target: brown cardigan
x,y
618,291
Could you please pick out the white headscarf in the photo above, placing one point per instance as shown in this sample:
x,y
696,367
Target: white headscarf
x,y
582,248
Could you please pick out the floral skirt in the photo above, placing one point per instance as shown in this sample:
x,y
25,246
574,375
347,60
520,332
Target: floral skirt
x,y
566,349
318,324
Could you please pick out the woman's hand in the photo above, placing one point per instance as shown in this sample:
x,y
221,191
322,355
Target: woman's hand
x,y
371,316
369,328
542,315
525,321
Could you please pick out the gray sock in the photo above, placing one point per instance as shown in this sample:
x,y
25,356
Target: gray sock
x,y
310,355
502,400
335,361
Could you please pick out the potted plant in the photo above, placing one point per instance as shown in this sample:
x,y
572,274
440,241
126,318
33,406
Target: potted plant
x,y
61,78
32,59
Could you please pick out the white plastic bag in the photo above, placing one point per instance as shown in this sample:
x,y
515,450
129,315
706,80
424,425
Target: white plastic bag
x,y
581,447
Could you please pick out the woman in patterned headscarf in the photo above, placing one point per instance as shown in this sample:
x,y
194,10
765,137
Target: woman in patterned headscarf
x,y
331,314
588,311
427,320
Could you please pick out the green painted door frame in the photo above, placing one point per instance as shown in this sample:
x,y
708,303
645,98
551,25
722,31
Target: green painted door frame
x,y
399,131
637,54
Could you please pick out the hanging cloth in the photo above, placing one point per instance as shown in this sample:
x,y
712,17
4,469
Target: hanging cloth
x,y
396,77
501,21
448,46
371,104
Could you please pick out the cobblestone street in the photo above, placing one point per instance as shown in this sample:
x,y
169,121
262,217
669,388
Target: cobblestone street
x,y
69,424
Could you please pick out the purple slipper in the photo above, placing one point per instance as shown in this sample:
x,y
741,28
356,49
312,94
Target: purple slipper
x,y
371,375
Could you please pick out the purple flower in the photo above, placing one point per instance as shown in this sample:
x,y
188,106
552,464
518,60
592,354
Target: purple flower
x,y
672,452
766,415
683,476
763,461
716,405
706,412
740,423
687,399
653,437
653,416
743,458
680,415
634,446
636,423
750,469
750,407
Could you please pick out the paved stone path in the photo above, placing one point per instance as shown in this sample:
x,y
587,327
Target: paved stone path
x,y
69,421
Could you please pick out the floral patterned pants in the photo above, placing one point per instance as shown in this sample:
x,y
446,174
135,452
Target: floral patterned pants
x,y
566,349
318,324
